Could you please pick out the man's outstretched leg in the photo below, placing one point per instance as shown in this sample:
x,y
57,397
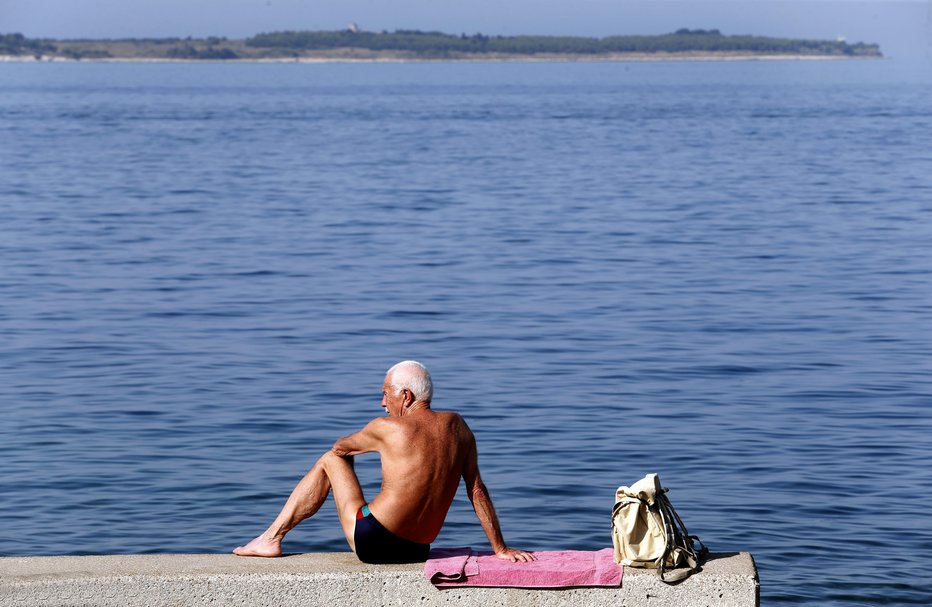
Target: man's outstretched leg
x,y
330,473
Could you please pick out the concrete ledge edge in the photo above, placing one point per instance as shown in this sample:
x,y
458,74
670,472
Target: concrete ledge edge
x,y
727,580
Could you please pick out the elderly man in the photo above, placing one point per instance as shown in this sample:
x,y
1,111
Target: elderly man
x,y
424,454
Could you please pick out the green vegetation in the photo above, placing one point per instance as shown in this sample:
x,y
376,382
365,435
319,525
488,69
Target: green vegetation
x,y
17,44
415,44
78,54
437,44
188,51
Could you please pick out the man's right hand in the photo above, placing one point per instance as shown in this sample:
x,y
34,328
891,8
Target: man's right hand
x,y
515,556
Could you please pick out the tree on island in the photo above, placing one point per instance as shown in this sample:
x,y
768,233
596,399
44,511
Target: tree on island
x,y
17,45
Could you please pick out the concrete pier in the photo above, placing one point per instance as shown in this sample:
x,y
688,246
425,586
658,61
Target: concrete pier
x,y
333,579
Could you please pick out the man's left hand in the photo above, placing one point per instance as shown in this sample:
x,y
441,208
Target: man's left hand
x,y
515,556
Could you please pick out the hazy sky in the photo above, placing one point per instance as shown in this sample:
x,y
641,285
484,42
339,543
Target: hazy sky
x,y
903,28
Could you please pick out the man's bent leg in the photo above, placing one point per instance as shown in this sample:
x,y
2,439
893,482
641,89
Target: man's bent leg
x,y
331,472
346,493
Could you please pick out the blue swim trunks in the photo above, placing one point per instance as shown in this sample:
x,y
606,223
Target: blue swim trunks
x,y
376,544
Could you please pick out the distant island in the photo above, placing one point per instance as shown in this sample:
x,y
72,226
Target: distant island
x,y
415,45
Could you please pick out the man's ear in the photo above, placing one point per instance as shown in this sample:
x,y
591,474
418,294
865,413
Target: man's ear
x,y
408,397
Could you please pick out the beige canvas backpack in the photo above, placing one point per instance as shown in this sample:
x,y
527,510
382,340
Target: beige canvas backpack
x,y
647,532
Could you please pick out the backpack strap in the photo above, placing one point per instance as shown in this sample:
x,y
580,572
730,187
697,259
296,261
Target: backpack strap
x,y
677,534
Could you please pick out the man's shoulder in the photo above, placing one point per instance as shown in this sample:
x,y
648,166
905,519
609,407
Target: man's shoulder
x,y
388,424
381,423
400,424
449,414
452,417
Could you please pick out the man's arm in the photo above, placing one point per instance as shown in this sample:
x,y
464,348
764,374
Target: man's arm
x,y
485,511
366,440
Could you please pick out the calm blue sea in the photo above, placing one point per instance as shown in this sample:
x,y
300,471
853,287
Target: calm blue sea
x,y
720,272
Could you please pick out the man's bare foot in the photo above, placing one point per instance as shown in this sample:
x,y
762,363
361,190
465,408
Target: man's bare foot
x,y
261,546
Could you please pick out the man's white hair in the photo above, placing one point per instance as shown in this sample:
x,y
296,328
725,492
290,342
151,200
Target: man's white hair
x,y
414,376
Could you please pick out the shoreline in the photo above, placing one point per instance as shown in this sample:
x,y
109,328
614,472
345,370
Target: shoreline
x,y
542,58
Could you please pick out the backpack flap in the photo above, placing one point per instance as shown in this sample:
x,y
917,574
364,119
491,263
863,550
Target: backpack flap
x,y
645,489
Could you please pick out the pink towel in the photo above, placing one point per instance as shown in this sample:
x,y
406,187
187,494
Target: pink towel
x,y
449,567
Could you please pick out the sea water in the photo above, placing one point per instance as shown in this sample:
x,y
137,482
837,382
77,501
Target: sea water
x,y
715,271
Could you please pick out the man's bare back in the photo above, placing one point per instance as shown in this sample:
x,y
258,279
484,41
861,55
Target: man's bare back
x,y
424,454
